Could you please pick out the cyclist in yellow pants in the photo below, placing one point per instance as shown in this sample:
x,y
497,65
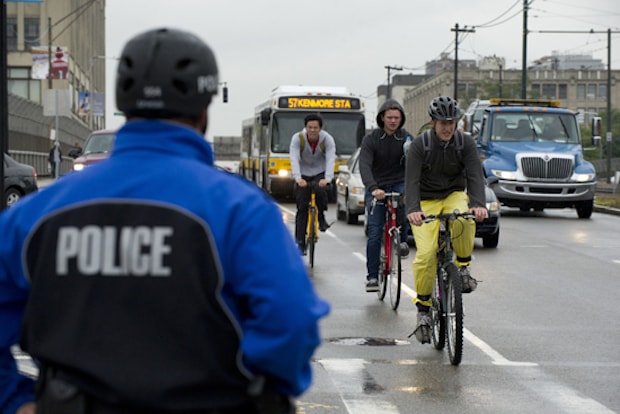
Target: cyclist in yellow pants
x,y
441,164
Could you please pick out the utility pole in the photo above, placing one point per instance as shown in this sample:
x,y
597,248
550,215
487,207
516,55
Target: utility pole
x,y
456,31
389,86
524,57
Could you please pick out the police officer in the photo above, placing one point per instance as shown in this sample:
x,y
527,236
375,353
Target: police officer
x,y
127,285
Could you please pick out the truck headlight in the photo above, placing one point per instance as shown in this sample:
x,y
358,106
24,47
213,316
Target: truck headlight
x,y
505,175
584,178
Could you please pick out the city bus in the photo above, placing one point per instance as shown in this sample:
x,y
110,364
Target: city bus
x,y
282,115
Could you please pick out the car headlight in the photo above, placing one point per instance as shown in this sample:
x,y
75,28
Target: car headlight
x,y
505,175
283,173
78,167
358,190
493,206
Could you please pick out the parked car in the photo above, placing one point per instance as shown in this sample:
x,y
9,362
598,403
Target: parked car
x,y
97,148
19,180
350,190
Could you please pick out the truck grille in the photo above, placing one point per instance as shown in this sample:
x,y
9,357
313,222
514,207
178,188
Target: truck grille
x,y
547,168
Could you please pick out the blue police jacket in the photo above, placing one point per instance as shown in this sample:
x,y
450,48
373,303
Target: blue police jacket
x,y
152,279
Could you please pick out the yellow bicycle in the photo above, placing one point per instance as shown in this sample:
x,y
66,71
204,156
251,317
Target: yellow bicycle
x,y
312,227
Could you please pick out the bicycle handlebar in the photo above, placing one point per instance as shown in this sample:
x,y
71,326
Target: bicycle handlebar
x,y
386,195
455,214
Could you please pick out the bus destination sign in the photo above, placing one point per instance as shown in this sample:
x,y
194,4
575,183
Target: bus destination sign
x,y
319,102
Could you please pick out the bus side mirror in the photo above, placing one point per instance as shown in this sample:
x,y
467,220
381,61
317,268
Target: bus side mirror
x,y
265,114
597,130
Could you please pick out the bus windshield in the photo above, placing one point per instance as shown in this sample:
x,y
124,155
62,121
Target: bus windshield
x,y
347,130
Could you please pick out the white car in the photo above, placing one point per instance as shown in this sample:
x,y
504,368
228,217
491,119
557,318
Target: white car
x,y
350,190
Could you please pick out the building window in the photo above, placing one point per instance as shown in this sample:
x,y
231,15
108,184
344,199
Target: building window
x,y
562,91
20,84
11,33
581,92
581,115
602,92
31,32
591,91
549,90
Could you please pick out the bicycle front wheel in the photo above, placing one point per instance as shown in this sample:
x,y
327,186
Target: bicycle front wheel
x,y
437,313
383,263
454,314
395,271
311,241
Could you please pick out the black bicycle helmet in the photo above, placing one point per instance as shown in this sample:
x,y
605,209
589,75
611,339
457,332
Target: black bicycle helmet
x,y
165,73
444,108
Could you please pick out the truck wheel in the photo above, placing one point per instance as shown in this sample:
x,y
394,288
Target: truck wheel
x,y
584,209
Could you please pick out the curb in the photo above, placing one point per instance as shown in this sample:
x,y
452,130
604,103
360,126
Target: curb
x,y
607,210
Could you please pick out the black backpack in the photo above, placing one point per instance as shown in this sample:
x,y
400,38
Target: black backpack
x,y
459,142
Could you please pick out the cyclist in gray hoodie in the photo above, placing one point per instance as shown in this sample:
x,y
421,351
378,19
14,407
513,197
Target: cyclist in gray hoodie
x,y
313,154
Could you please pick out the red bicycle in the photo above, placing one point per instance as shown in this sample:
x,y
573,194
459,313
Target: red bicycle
x,y
390,265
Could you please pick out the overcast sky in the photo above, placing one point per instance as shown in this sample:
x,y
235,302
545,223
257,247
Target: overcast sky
x,y
260,44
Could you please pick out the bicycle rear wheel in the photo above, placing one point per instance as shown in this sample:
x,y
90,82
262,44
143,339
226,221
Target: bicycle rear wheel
x,y
395,271
311,241
437,314
382,271
454,315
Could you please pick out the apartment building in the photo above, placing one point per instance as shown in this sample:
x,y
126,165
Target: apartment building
x,y
72,34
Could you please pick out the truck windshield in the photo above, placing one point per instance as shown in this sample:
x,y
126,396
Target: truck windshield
x,y
538,127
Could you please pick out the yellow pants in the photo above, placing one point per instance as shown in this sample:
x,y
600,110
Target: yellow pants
x,y
462,232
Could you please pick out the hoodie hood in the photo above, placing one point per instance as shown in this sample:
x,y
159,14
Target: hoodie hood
x,y
387,104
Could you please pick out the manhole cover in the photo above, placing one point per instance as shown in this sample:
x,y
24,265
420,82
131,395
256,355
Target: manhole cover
x,y
367,341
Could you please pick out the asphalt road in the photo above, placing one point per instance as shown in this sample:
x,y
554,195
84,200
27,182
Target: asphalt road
x,y
541,330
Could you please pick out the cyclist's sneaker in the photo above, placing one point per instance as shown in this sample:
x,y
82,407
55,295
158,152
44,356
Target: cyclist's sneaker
x,y
372,285
302,248
404,249
323,226
469,283
423,328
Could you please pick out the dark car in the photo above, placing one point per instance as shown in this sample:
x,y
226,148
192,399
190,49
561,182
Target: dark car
x,y
97,148
487,230
19,180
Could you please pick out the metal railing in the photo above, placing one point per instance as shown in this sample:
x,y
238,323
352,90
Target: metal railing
x,y
39,161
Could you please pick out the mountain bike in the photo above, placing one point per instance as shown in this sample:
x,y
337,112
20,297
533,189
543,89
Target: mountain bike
x,y
390,265
447,302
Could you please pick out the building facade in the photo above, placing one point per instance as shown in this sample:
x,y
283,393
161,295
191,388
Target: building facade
x,y
64,38
578,82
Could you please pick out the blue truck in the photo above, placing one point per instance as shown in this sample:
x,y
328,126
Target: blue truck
x,y
532,156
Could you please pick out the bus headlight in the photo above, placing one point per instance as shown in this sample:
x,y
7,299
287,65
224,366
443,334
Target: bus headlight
x,y
283,173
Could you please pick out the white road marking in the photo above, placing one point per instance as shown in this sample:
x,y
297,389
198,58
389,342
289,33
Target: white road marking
x,y
353,381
